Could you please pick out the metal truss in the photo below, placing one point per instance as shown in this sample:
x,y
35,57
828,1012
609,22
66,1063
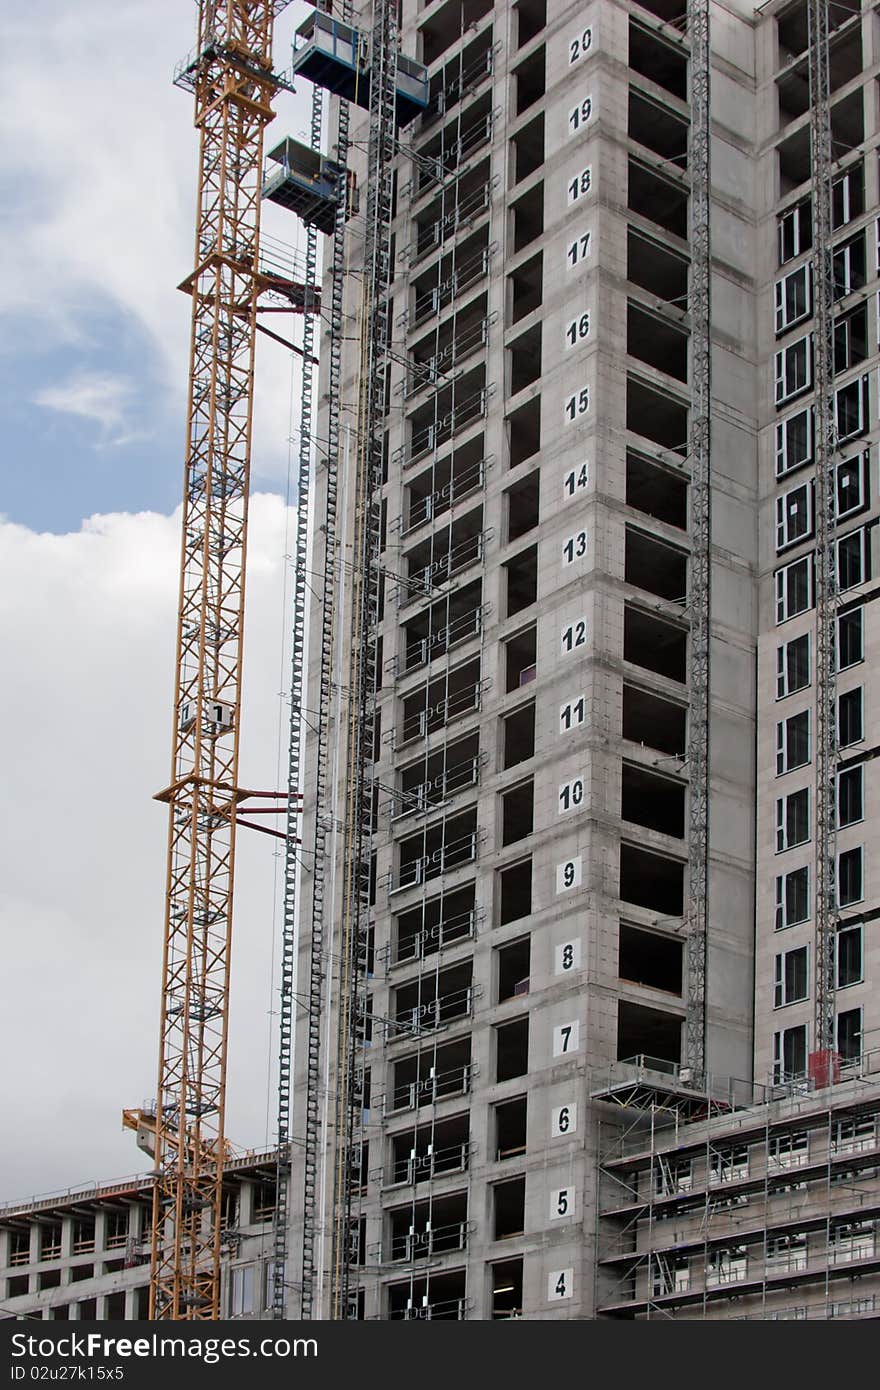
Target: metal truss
x,y
362,682
826,511
233,82
319,954
281,1220
701,533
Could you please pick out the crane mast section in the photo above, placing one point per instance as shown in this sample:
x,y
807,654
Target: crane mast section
x,y
699,450
281,1219
826,512
233,83
375,332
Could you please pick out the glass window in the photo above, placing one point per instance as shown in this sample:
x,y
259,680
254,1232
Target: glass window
x,y
793,666
242,1290
672,1176
792,898
794,298
852,1240
849,1035
793,819
727,1266
794,442
849,956
850,717
794,369
850,638
851,409
789,1150
728,1164
670,1274
850,877
789,1064
793,742
851,338
848,196
852,560
849,266
790,977
795,231
794,588
787,1252
794,515
855,1135
851,796
851,493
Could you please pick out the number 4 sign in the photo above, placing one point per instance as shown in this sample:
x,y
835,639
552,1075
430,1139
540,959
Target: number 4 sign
x,y
560,1284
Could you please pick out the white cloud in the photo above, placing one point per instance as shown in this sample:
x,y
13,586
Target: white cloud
x,y
96,396
87,629
98,168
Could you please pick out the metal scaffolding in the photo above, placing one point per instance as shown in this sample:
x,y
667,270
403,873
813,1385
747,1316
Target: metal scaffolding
x,y
741,1193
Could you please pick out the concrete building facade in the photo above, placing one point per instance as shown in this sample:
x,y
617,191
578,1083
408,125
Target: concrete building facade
x,y
532,1139
533,836
84,1254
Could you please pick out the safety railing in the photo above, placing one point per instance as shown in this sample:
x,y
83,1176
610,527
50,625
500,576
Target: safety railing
x,y
431,939
456,1081
436,369
434,232
431,301
449,635
432,1014
450,1309
431,1240
416,1167
426,438
425,581
450,855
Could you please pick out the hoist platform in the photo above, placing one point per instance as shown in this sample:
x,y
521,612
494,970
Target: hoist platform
x,y
336,56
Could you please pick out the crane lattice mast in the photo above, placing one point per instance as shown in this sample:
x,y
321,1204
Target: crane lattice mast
x,y
826,452
233,82
699,455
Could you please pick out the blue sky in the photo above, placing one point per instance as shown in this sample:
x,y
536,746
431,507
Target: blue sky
x,y
103,438
97,190
97,196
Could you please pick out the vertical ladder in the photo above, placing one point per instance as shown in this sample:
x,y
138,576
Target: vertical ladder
x,y
323,793
280,1234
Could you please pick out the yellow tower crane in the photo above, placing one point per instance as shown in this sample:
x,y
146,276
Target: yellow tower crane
x,y
233,82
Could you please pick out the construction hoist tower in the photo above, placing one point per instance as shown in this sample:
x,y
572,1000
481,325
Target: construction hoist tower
x,y
361,69
375,332
699,446
233,82
822,158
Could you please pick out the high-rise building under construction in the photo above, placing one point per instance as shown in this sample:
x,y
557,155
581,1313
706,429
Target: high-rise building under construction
x,y
594,496
577,1016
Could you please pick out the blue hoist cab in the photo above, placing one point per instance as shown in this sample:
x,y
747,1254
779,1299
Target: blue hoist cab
x,y
337,56
307,183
